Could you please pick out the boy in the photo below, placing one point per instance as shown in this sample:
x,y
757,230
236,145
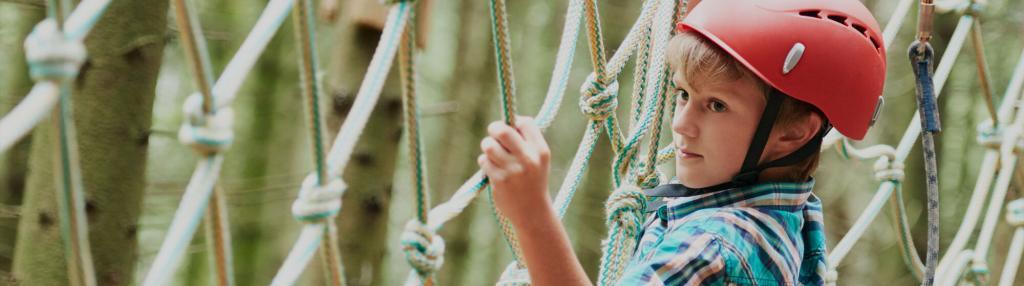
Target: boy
x,y
759,83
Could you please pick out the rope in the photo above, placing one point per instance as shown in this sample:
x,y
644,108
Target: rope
x,y
506,86
920,56
206,133
54,59
200,189
1015,213
317,202
424,250
625,218
886,170
319,199
50,55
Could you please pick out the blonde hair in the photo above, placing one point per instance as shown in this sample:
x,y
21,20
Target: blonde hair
x,y
701,61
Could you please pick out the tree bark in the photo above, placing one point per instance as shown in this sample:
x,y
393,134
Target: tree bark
x,y
16,21
112,100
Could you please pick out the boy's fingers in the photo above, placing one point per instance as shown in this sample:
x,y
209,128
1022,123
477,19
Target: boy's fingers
x,y
530,131
493,151
507,137
489,169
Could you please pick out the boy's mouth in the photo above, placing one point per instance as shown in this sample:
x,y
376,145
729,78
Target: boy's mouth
x,y
684,153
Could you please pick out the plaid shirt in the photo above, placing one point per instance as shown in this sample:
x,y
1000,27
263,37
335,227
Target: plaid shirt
x,y
765,234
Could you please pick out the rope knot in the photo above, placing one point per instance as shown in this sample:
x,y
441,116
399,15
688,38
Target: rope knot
x,y
625,207
887,170
514,276
597,100
207,133
51,55
1015,213
424,249
318,201
650,180
989,136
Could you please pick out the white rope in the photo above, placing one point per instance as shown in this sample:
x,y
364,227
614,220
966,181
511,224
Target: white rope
x,y
33,109
1013,257
50,55
988,168
423,248
910,137
317,202
887,170
206,133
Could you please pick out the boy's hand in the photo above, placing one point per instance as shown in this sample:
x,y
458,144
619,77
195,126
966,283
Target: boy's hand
x,y
517,161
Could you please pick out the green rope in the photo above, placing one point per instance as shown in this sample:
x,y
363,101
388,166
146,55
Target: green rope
x,y
506,86
304,20
70,194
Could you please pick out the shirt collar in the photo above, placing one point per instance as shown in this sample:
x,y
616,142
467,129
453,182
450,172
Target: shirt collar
x,y
680,201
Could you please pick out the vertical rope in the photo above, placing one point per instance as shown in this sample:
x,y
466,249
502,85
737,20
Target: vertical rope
x,y
929,126
506,86
304,20
68,178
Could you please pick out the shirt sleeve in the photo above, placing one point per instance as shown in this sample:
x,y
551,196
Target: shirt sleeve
x,y
696,259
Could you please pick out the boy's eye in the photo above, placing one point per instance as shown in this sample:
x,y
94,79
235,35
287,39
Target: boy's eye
x,y
717,106
683,95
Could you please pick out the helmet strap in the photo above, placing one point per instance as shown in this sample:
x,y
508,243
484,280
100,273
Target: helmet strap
x,y
751,170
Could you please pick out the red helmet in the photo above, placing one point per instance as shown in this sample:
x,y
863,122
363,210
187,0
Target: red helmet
x,y
826,53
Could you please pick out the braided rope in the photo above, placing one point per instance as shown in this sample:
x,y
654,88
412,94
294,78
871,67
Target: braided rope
x,y
319,199
506,86
424,249
200,189
54,58
625,217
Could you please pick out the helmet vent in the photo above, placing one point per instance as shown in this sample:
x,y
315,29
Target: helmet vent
x,y
875,42
838,19
811,13
860,28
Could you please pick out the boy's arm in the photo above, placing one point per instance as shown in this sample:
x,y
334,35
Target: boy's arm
x,y
516,162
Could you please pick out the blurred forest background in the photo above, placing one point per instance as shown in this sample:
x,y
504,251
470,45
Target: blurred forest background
x,y
128,109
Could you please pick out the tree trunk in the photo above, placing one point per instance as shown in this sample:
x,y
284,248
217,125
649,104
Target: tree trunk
x,y
362,223
16,21
112,100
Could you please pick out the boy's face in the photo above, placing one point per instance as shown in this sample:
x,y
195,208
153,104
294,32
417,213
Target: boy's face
x,y
712,128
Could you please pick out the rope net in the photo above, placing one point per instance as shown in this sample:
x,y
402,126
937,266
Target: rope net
x,y
55,53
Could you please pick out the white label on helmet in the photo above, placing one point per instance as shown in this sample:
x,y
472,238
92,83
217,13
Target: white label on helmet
x,y
878,109
793,57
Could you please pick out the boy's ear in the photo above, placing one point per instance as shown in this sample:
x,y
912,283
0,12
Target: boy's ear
x,y
793,137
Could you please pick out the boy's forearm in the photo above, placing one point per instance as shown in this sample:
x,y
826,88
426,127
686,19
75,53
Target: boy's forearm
x,y
547,250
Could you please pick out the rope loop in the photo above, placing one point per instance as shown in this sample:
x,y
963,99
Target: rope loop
x,y
598,101
52,56
887,169
317,202
424,249
625,207
1015,213
514,276
989,136
206,133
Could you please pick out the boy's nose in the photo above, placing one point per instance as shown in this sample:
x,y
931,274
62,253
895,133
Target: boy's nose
x,y
684,121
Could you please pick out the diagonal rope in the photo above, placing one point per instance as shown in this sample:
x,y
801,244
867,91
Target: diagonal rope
x,y
201,184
